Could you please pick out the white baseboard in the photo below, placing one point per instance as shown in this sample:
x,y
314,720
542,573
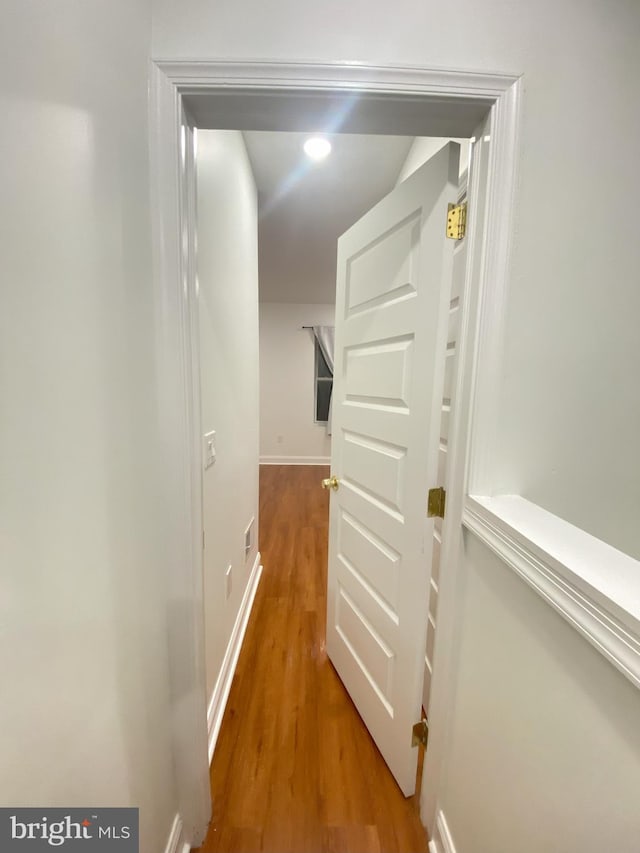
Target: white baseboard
x,y
295,460
222,687
443,842
176,842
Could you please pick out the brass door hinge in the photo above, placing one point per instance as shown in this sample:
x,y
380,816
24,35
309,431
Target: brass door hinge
x,y
456,220
420,734
435,503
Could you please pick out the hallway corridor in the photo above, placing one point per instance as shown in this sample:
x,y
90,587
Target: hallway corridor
x,y
295,770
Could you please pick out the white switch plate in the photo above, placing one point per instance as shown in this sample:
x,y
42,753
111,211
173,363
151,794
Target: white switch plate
x,y
209,449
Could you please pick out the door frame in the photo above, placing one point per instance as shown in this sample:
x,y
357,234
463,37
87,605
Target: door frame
x,y
472,448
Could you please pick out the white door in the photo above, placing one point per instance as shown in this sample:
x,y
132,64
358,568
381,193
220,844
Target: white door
x,y
394,276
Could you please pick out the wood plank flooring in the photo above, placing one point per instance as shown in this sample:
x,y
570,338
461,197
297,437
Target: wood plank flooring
x,y
295,770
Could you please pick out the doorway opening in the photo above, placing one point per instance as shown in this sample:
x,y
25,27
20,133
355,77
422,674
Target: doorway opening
x,y
303,209
369,100
301,213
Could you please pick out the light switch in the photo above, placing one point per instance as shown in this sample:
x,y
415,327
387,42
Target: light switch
x,y
209,449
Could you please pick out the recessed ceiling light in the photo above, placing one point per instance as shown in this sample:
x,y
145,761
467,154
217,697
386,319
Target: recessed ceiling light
x,y
317,147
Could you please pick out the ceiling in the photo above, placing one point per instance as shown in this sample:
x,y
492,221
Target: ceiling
x,y
305,206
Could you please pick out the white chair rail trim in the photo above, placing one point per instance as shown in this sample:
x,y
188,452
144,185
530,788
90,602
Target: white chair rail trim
x,y
595,587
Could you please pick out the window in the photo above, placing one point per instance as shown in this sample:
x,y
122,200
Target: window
x,y
323,386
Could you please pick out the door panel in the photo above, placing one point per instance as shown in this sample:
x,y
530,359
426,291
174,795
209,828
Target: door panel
x,y
379,373
379,564
383,271
394,278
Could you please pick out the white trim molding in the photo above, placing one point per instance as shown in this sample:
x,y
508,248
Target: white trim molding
x,y
471,450
176,843
484,362
595,587
295,460
172,166
444,833
497,97
198,75
222,686
442,842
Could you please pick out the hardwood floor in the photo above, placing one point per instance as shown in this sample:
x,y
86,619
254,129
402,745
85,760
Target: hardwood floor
x,y
295,770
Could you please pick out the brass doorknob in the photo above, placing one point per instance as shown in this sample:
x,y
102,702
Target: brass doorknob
x,y
331,483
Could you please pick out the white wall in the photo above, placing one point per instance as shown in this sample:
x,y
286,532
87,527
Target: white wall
x,y
287,428
570,413
569,420
228,312
84,714
545,737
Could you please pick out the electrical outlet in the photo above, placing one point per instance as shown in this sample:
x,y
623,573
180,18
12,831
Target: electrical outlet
x,y
227,581
209,449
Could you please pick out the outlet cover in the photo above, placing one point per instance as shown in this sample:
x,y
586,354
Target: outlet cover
x,y
209,449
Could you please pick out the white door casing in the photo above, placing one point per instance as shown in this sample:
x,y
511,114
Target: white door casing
x,y
174,168
447,415
448,403
441,651
231,84
394,277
